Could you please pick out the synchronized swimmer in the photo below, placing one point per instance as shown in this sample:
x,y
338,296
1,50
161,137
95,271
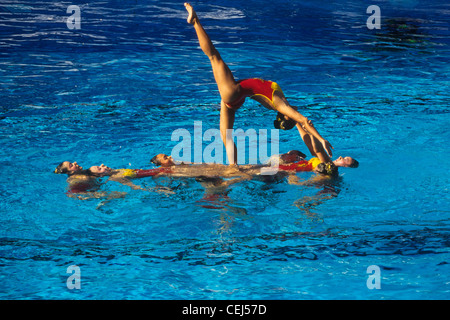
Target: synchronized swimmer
x,y
81,180
86,181
233,94
294,160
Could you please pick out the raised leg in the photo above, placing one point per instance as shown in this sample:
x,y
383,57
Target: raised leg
x,y
228,88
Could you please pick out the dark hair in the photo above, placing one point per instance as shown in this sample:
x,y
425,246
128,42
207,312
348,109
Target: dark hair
x,y
281,123
328,168
355,164
155,161
59,169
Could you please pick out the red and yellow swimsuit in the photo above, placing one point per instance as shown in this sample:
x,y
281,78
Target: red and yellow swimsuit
x,y
302,165
254,87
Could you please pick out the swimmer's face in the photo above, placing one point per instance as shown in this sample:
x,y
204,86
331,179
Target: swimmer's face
x,y
101,170
344,162
70,167
165,160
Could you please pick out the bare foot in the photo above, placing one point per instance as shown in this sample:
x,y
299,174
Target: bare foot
x,y
192,15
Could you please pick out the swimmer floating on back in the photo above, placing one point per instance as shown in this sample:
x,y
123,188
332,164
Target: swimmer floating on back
x,y
86,182
233,94
321,162
79,180
293,160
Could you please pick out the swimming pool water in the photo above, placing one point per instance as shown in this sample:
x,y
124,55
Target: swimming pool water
x,y
114,91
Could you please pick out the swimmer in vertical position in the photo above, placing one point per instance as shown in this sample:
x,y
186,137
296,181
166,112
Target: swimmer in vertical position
x,y
233,94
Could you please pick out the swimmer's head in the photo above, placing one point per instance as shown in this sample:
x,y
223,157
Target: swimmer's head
x,y
347,162
328,168
68,167
162,160
100,171
284,123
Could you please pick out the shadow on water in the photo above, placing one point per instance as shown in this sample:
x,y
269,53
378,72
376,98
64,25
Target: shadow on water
x,y
400,34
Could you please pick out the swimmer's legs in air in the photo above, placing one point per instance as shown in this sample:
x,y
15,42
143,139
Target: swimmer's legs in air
x,y
228,88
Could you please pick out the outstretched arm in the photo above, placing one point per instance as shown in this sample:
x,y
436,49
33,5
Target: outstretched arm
x,y
281,105
314,146
293,179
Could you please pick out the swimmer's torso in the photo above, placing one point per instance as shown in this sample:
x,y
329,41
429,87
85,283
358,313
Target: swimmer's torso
x,y
82,183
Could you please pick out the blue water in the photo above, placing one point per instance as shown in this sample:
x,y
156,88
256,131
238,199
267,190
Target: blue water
x,y
113,92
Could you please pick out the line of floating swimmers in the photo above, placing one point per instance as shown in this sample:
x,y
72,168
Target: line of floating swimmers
x,y
82,181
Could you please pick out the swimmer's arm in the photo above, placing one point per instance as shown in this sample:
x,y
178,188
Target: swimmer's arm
x,y
320,151
314,146
293,179
127,182
291,112
97,195
306,137
308,127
